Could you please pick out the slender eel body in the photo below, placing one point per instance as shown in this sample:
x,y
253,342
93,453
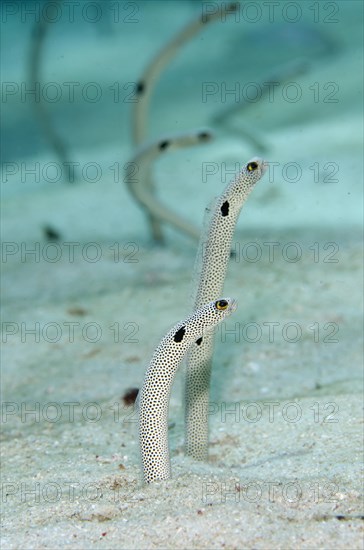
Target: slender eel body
x,y
140,183
144,91
210,271
146,84
155,393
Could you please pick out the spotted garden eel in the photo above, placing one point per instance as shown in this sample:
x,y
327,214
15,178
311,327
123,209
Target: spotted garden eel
x,y
154,396
146,84
210,271
144,90
140,183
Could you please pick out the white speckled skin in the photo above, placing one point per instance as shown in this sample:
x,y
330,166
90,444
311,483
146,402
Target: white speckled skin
x,y
212,261
155,393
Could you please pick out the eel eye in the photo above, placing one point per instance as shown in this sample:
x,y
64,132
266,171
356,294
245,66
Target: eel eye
x,y
221,304
252,166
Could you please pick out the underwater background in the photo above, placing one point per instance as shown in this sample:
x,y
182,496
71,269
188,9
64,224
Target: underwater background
x,y
87,293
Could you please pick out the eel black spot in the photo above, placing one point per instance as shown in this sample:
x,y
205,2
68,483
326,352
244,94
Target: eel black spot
x,y
199,341
163,144
140,88
225,208
50,233
178,337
